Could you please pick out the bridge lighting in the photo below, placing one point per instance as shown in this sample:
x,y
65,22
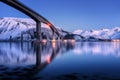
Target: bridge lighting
x,y
72,40
65,40
44,41
53,40
53,43
48,24
48,59
117,40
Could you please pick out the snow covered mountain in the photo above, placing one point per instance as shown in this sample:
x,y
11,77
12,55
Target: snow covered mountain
x,y
100,34
17,28
14,28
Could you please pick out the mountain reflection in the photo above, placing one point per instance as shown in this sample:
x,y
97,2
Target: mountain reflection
x,y
30,58
26,53
22,59
16,54
98,48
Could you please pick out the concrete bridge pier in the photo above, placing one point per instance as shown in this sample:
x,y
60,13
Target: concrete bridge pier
x,y
53,36
38,55
38,31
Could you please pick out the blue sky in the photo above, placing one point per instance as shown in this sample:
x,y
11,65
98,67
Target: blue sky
x,y
72,14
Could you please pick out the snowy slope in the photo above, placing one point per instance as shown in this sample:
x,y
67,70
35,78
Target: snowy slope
x,y
14,27
101,34
116,36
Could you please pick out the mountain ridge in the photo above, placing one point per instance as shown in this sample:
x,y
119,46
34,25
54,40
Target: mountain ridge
x,y
111,34
14,28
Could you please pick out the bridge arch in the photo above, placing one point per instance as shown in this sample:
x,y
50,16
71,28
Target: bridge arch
x,y
35,16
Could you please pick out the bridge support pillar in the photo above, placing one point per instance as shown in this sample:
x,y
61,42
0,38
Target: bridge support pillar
x,y
53,36
38,55
38,31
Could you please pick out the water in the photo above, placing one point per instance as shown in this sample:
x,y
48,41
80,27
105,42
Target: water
x,y
68,60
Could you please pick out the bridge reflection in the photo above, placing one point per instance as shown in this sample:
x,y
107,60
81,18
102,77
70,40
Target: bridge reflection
x,y
45,53
27,59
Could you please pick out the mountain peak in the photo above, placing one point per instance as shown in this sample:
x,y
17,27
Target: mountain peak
x,y
102,33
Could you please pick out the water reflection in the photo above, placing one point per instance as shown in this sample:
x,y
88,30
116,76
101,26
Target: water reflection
x,y
84,61
27,59
24,58
98,48
29,53
17,54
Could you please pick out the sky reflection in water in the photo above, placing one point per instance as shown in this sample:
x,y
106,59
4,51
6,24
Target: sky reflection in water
x,y
60,58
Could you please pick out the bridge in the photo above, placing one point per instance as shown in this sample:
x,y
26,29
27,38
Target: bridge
x,y
35,16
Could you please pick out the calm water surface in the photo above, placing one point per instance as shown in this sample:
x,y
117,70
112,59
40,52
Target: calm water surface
x,y
60,60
